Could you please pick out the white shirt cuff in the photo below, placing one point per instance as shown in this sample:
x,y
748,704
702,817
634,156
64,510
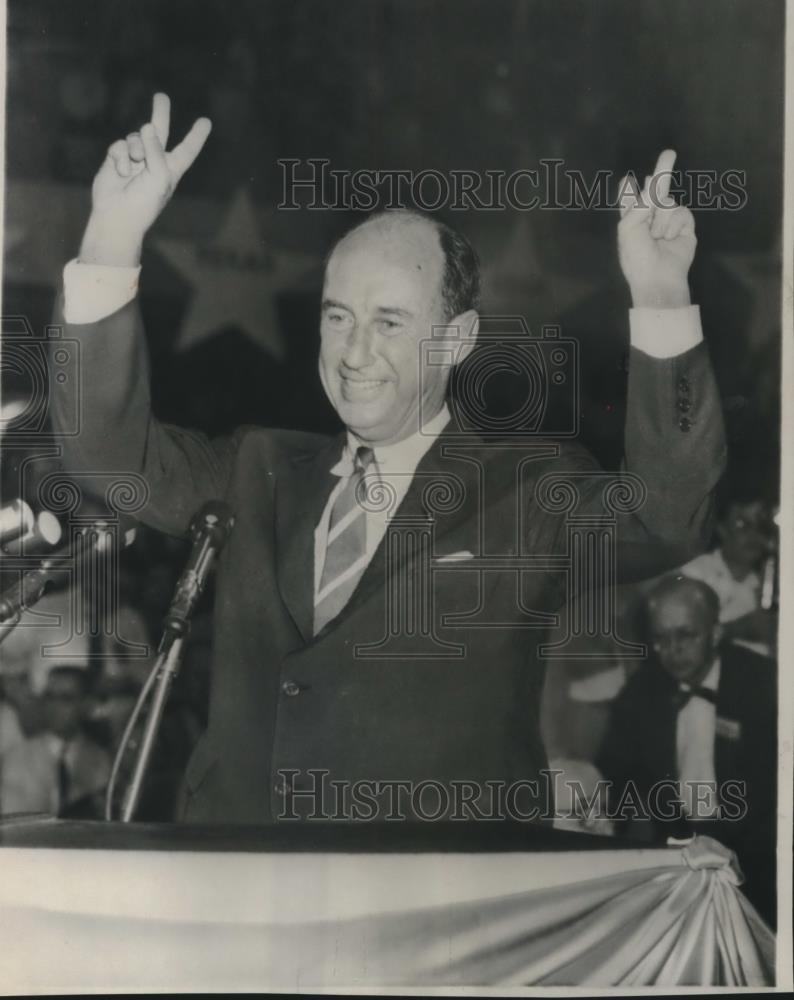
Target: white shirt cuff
x,y
93,291
664,333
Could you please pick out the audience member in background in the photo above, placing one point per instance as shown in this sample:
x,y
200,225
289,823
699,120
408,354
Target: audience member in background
x,y
734,571
60,770
694,733
47,634
20,696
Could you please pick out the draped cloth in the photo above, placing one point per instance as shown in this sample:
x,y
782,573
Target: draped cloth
x,y
170,922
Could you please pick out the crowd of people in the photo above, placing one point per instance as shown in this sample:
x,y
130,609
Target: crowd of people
x,y
685,738
62,719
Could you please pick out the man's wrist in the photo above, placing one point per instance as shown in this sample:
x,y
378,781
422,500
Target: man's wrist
x,y
92,292
665,332
109,245
658,297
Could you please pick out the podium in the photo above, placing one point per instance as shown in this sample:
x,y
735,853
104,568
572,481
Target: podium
x,y
298,906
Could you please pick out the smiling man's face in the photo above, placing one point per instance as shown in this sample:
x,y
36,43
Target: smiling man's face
x,y
381,299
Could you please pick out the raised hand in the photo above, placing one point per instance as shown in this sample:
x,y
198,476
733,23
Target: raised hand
x,y
134,184
656,239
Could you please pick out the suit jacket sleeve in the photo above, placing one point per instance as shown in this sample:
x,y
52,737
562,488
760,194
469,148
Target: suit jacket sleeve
x,y
675,447
117,431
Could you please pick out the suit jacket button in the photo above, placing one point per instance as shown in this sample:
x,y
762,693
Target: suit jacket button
x,y
684,423
683,384
290,689
684,404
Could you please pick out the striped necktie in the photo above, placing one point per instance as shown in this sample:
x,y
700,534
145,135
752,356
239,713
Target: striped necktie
x,y
346,545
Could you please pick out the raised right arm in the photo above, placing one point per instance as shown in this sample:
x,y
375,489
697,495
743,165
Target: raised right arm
x,y
117,431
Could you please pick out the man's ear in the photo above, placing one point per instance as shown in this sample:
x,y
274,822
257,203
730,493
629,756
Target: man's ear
x,y
468,327
716,634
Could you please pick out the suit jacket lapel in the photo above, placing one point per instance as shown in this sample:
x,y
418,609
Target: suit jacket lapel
x,y
438,468
302,490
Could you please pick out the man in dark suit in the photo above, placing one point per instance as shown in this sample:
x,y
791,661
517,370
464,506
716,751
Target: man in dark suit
x,y
383,594
692,743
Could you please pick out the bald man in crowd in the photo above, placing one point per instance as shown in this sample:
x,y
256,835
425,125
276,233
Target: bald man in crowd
x,y
694,733
311,676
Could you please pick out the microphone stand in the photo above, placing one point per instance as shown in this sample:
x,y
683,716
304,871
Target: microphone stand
x,y
209,528
164,671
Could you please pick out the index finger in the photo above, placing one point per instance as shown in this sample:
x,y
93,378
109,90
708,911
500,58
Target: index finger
x,y
664,172
183,155
629,194
161,117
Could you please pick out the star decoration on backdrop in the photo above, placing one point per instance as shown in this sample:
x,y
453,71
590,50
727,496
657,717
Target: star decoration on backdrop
x,y
519,277
236,277
759,274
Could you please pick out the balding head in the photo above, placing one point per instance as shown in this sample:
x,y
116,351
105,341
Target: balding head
x,y
686,590
683,624
460,264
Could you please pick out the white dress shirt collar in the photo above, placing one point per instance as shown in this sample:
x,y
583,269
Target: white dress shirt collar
x,y
712,679
403,456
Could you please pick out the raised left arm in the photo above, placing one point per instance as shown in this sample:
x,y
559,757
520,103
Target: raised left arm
x,y
675,436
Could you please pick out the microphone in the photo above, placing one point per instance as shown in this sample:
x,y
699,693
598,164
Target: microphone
x,y
29,589
209,528
19,527
16,519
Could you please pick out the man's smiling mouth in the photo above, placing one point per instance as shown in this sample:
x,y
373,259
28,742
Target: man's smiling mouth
x,y
361,386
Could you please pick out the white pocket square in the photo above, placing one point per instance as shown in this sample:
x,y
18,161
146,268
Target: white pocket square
x,y
455,556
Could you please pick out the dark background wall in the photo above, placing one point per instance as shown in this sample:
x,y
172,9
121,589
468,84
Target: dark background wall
x,y
450,85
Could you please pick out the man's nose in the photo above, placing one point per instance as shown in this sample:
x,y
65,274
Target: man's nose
x,y
358,349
